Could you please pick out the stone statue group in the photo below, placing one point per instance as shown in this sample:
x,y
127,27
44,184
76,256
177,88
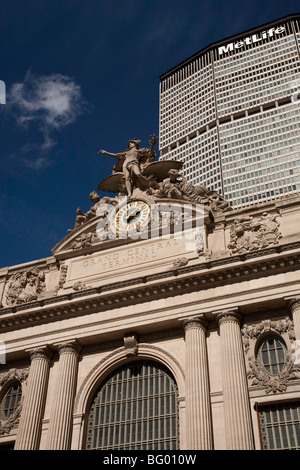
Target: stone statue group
x,y
136,173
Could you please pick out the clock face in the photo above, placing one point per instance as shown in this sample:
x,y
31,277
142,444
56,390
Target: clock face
x,y
132,216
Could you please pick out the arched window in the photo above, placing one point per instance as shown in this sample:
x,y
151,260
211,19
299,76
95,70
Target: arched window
x,y
271,354
135,408
10,399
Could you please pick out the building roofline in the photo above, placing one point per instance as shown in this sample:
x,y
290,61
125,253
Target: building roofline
x,y
225,40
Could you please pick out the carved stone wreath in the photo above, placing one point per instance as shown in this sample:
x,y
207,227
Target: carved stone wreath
x,y
13,420
258,377
276,383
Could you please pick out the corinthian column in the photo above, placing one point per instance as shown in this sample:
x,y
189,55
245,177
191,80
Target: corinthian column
x,y
29,431
60,424
198,407
238,424
294,304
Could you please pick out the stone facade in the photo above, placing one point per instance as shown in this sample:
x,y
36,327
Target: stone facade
x,y
69,320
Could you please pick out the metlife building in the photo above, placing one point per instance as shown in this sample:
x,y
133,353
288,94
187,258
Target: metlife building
x,y
231,113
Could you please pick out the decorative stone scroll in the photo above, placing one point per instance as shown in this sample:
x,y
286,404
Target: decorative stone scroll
x,y
131,344
249,233
62,277
25,286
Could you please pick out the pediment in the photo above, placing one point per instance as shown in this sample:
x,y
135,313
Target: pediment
x,y
83,240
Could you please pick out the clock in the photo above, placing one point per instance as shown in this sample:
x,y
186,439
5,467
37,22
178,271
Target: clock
x,y
132,216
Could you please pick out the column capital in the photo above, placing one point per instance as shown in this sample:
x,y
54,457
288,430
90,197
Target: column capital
x,y
68,347
40,352
199,322
231,315
293,302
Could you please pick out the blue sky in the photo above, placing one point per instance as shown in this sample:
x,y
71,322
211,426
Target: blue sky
x,y
84,75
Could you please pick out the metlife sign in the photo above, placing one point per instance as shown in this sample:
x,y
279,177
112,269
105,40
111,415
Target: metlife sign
x,y
253,39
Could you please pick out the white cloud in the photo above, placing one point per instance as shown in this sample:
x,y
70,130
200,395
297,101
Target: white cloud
x,y
51,102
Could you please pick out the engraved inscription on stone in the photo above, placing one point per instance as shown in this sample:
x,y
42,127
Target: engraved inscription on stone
x,y
142,256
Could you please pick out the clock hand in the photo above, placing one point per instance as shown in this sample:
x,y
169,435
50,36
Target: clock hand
x,y
132,216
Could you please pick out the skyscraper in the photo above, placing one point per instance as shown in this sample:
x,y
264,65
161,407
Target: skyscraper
x,y
231,114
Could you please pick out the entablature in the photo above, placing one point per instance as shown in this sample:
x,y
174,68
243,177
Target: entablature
x,y
196,278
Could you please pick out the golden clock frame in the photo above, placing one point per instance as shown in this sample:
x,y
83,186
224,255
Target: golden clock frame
x,y
132,215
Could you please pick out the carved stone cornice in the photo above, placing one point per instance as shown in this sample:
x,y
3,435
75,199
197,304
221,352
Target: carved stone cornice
x,y
141,289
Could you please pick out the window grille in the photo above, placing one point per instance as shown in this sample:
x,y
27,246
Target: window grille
x,y
272,355
10,400
280,426
136,408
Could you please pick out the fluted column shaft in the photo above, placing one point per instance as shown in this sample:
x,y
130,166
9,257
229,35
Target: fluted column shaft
x,y
294,305
30,425
198,406
61,418
238,424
